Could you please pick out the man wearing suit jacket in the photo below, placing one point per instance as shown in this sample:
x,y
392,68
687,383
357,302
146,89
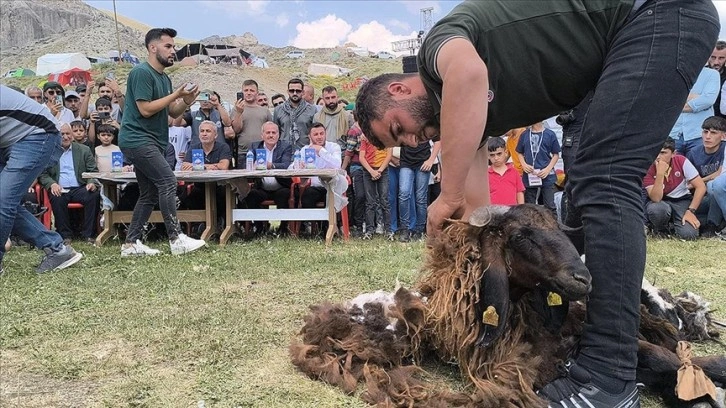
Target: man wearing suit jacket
x,y
278,156
65,185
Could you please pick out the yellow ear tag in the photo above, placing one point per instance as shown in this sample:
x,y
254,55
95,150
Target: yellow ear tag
x,y
490,317
553,299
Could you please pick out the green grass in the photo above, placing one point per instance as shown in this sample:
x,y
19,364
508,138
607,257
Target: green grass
x,y
215,326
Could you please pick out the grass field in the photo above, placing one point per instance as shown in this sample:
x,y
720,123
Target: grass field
x,y
212,328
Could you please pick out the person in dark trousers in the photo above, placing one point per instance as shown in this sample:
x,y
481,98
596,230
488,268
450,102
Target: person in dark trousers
x,y
29,142
491,66
144,137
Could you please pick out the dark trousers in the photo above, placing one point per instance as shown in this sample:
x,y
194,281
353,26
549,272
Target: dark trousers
x,y
157,184
312,196
358,207
91,204
649,68
281,198
377,201
545,193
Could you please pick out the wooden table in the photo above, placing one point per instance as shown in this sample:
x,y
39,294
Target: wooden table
x,y
235,181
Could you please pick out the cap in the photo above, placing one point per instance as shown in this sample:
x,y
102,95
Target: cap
x,y
72,94
51,85
81,88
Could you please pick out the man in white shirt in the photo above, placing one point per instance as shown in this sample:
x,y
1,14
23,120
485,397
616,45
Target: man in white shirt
x,y
327,156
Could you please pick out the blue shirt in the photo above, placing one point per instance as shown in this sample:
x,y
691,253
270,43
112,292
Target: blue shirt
x,y
538,147
707,163
67,170
707,87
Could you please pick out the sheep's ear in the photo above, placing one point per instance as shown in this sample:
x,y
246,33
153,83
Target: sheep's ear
x,y
552,308
493,306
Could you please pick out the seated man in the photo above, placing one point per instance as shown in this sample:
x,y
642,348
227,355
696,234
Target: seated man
x,y
327,156
669,199
708,158
66,185
217,156
278,156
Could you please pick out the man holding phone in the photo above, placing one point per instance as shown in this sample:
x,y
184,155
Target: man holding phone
x,y
210,108
247,119
54,97
144,138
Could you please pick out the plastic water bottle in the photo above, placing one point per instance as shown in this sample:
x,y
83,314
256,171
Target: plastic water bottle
x,y
250,162
297,161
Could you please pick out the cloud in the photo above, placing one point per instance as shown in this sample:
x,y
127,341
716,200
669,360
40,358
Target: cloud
x,y
326,32
282,20
401,25
238,8
375,36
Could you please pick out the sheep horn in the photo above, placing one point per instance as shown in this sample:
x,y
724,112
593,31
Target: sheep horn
x,y
565,228
480,217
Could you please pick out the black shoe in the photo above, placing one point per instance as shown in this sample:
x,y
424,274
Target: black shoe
x,y
575,389
418,236
404,236
58,260
709,231
721,234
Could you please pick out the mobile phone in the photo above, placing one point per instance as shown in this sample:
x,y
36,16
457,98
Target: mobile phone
x,y
240,95
104,115
59,99
110,75
189,86
204,96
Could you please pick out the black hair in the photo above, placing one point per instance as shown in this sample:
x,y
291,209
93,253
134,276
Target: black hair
x,y
107,129
495,143
669,144
720,44
329,89
296,81
373,101
77,123
249,82
103,101
156,33
715,123
315,125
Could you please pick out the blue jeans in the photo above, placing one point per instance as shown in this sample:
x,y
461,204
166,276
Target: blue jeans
x,y
717,199
649,68
20,164
413,182
684,146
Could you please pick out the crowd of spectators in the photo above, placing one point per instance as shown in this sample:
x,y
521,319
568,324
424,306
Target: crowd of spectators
x,y
684,191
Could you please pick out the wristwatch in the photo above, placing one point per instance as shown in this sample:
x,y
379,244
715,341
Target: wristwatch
x,y
693,210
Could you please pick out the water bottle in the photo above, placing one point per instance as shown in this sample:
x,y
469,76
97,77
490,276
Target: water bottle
x,y
297,161
250,162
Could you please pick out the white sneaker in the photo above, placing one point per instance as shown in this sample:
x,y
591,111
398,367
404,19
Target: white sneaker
x,y
183,244
138,249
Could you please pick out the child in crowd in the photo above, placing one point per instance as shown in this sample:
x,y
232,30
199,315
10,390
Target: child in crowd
x,y
538,151
106,135
179,138
505,183
102,116
78,129
375,184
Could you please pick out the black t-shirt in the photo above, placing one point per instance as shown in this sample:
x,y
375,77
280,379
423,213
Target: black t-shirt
x,y
413,157
219,152
542,57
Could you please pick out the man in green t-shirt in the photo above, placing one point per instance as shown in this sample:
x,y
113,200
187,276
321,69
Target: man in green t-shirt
x,y
490,66
144,136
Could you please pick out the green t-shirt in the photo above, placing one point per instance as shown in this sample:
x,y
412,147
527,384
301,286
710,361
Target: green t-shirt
x,y
145,84
542,56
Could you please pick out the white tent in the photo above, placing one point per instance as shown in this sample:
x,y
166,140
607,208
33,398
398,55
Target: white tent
x,y
51,63
327,69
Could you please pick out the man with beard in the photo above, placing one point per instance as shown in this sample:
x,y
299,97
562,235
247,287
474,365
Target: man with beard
x,y
295,116
491,66
247,119
716,61
144,137
333,116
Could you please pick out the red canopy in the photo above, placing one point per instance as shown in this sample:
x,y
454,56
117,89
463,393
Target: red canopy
x,y
72,77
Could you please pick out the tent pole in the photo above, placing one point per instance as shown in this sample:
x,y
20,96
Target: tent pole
x,y
118,38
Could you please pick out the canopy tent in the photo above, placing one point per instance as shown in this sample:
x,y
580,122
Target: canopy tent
x,y
216,51
52,63
19,72
72,77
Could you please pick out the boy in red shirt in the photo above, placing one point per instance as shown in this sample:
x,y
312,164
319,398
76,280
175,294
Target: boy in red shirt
x,y
375,184
669,199
505,183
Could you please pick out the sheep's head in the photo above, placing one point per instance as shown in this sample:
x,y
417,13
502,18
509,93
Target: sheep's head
x,y
523,249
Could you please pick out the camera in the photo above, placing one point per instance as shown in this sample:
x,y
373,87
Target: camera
x,y
204,96
565,117
189,86
59,99
240,95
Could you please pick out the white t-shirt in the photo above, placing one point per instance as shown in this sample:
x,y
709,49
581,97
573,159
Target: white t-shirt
x,y
179,137
103,157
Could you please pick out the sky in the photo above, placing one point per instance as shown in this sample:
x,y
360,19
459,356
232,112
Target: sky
x,y
300,23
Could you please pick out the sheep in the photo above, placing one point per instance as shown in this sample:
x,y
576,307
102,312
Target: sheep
x,y
492,301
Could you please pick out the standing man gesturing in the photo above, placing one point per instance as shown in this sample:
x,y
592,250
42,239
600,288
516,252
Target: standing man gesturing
x,y
143,138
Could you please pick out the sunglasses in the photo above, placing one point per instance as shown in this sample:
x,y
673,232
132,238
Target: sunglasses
x,y
295,91
277,104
